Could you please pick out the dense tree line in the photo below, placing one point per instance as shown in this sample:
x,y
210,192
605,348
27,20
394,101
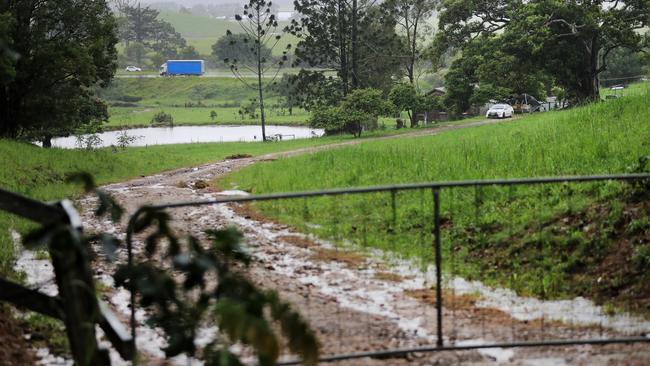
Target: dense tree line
x,y
570,42
142,32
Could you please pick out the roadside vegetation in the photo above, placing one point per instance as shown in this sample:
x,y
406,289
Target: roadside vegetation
x,y
551,241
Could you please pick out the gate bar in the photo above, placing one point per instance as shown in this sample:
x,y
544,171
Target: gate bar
x,y
404,187
429,349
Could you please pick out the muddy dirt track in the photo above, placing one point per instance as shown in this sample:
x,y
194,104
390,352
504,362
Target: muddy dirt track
x,y
354,303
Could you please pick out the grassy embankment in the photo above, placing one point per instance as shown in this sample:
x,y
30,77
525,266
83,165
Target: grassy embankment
x,y
203,31
190,100
548,241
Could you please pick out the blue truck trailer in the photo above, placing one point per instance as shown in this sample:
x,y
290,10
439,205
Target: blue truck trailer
x,y
182,67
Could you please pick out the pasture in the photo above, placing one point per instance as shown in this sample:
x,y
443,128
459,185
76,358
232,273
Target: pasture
x,y
486,226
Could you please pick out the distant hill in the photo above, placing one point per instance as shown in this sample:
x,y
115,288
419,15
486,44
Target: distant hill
x,y
202,31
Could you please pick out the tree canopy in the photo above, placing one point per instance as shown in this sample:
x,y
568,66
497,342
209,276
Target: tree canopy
x,y
568,40
52,53
141,31
356,38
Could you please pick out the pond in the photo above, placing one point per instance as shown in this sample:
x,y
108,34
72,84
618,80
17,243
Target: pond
x,y
194,134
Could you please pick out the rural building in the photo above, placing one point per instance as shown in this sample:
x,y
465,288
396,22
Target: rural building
x,y
433,115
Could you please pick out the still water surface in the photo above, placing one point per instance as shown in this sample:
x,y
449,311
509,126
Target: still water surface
x,y
191,134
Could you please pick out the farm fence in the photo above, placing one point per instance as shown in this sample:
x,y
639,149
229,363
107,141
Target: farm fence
x,y
484,264
481,264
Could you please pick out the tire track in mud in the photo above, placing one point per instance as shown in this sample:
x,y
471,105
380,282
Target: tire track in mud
x,y
350,306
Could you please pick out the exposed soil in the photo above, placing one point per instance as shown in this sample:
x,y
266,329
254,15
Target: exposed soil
x,y
14,349
354,303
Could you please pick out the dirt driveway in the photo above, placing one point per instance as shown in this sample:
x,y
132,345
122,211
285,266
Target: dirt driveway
x,y
354,303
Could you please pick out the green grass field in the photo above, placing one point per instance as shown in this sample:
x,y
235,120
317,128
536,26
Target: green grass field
x,y
203,32
134,101
130,117
489,225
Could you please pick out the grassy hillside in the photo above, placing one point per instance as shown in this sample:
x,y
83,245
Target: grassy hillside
x,y
203,32
548,241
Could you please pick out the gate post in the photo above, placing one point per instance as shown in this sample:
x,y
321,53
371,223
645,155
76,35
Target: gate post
x,y
77,291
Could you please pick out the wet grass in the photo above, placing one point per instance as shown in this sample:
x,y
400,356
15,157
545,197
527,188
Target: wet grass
x,y
42,173
524,237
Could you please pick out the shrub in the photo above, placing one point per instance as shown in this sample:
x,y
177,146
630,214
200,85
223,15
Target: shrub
x,y
368,101
358,112
162,118
336,120
124,140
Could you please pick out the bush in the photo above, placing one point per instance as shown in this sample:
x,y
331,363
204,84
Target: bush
x,y
123,104
162,118
359,111
337,120
124,140
128,98
368,101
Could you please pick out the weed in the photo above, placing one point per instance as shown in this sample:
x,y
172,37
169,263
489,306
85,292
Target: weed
x,y
641,258
638,226
47,332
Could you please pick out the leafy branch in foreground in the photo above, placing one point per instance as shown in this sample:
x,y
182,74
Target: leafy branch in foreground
x,y
187,285
212,287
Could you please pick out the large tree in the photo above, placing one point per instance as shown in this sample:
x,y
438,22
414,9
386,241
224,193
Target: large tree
x,y
412,17
355,38
569,39
141,30
260,28
488,70
60,50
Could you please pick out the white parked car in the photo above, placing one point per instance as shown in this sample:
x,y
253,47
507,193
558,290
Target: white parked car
x,y
133,68
500,111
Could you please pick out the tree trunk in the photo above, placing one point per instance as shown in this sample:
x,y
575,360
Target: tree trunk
x,y
259,77
355,46
589,86
343,55
8,125
47,141
414,118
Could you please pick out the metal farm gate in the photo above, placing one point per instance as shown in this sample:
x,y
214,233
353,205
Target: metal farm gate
x,y
511,235
438,221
